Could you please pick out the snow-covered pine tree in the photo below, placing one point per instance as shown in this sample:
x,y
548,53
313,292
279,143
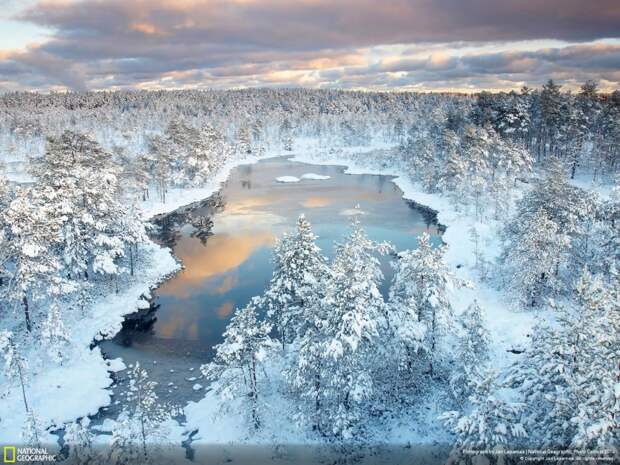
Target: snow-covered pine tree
x,y
159,163
309,369
487,421
472,350
34,232
452,177
356,315
597,327
4,190
54,333
421,285
569,380
234,370
563,203
243,143
32,430
4,231
286,135
551,117
477,154
82,181
533,252
408,332
606,251
141,424
80,440
606,151
14,364
299,274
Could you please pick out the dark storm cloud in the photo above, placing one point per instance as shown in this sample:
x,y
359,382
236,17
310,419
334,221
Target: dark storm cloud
x,y
127,42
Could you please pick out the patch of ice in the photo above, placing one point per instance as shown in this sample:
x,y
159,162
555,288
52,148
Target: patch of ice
x,y
314,176
197,387
352,212
287,179
115,365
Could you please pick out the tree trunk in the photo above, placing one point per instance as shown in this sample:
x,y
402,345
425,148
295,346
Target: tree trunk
x,y
27,313
21,382
254,395
131,259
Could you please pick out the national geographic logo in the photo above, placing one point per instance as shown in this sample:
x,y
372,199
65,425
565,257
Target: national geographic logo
x,y
8,454
12,454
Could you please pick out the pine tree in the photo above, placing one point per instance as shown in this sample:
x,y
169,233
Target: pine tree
x,y
14,364
597,418
607,143
357,314
421,286
309,370
33,235
533,252
159,163
54,333
4,231
243,145
551,117
569,378
81,182
477,153
453,176
472,350
80,439
299,271
141,424
488,422
32,430
235,366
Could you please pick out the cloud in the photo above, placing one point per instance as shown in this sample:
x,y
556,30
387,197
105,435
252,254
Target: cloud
x,y
315,43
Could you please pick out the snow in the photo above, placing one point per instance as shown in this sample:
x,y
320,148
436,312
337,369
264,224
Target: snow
x,y
287,179
315,176
507,326
197,387
78,387
116,364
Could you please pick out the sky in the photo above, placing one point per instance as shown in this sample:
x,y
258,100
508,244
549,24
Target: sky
x,y
418,45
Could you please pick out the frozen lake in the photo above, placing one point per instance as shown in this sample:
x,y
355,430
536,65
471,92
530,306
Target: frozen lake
x,y
225,244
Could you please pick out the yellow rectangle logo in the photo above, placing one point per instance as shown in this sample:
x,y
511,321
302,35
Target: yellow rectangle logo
x,y
9,454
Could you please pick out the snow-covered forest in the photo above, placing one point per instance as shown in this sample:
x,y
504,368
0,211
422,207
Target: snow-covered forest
x,y
505,337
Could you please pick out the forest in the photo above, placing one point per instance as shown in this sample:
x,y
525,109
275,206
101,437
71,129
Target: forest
x,y
528,184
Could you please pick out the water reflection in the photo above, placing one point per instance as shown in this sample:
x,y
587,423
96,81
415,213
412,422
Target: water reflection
x,y
225,244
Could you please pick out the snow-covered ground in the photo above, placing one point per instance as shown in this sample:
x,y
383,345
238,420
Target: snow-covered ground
x,y
78,387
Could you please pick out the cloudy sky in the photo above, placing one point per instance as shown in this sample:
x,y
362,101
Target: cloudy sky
x,y
458,45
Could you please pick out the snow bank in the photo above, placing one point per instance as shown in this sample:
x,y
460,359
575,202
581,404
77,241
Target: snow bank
x,y
62,393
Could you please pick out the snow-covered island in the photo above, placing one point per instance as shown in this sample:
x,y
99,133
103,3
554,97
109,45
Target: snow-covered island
x,y
504,336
